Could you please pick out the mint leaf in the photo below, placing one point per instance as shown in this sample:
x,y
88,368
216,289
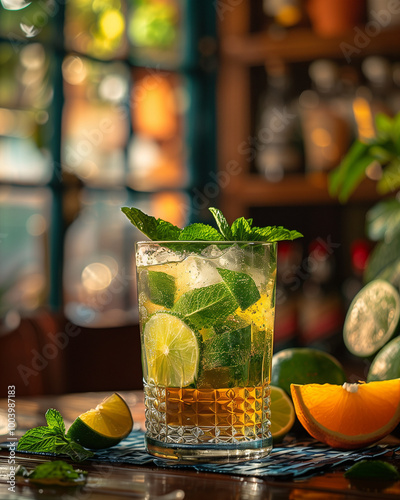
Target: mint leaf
x,y
39,439
241,286
200,232
155,229
74,450
203,307
274,233
161,288
57,472
222,223
55,420
241,229
57,469
52,439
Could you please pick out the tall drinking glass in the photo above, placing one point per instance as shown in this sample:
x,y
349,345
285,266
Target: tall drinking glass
x,y
206,313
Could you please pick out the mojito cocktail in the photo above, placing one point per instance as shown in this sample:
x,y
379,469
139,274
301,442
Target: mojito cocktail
x,y
206,313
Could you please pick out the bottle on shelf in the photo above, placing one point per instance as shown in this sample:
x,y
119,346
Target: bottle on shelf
x,y
278,137
284,13
326,130
378,73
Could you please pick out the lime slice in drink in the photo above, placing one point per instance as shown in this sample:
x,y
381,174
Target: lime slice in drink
x,y
172,351
282,414
372,318
161,288
206,306
241,286
386,364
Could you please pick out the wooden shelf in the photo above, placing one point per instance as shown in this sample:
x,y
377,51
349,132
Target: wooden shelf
x,y
312,189
304,45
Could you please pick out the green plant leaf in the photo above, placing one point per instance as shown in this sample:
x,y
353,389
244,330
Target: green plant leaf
x,y
383,219
338,177
390,180
383,255
354,176
222,223
200,232
384,124
381,153
396,133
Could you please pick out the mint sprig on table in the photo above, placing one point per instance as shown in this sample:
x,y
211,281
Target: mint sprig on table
x,y
52,439
241,229
55,472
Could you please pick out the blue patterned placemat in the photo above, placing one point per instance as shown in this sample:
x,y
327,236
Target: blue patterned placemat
x,y
290,460
296,459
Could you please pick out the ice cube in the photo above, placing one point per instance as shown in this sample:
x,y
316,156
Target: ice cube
x,y
195,272
212,251
232,258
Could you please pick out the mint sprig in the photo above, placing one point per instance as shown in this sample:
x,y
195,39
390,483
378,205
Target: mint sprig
x,y
58,471
241,229
52,439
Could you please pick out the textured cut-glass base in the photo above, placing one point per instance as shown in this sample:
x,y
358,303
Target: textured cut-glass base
x,y
209,425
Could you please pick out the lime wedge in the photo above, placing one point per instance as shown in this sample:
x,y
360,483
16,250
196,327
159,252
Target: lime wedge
x,y
242,287
372,318
206,306
104,426
172,351
161,288
282,414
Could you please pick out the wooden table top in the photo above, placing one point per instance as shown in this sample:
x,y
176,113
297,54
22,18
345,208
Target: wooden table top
x,y
113,481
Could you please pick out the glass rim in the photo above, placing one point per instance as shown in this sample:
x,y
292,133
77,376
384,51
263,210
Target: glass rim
x,y
142,242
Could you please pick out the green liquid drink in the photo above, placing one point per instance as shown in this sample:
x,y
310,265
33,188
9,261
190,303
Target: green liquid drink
x,y
207,317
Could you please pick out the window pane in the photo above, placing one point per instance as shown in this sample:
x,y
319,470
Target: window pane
x,y
96,28
22,20
95,121
156,31
24,236
157,151
99,270
25,95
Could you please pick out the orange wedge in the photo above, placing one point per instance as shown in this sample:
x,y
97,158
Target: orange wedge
x,y
348,416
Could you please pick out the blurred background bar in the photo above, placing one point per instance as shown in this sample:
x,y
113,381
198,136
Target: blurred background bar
x,y
174,106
